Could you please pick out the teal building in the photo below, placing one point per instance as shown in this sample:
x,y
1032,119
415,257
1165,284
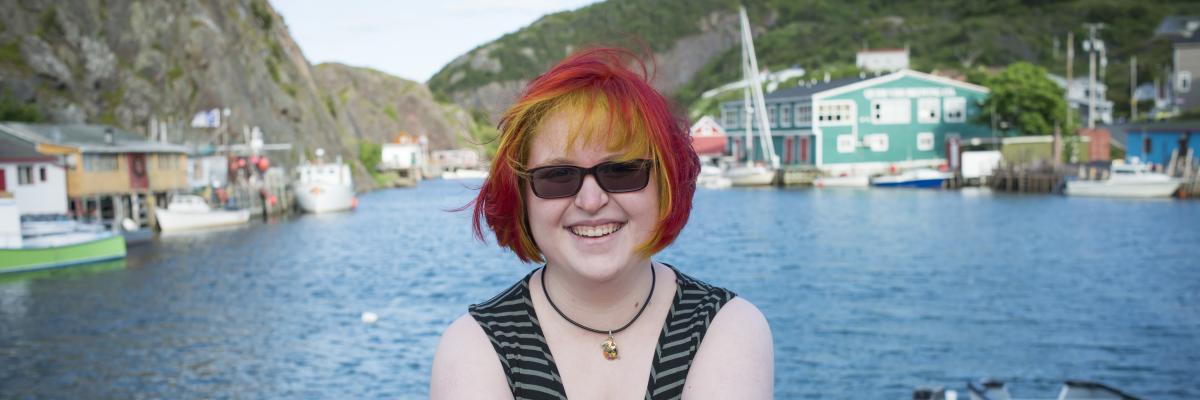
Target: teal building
x,y
863,125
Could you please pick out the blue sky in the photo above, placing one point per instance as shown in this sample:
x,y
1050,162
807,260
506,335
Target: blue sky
x,y
409,38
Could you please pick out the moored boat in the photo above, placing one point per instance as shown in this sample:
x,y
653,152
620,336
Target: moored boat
x,y
712,177
322,188
465,174
56,244
751,175
1126,181
860,181
924,178
188,212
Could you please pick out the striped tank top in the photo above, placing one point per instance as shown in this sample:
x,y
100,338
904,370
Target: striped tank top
x,y
513,328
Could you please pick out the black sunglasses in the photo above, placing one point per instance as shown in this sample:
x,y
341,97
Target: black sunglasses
x,y
558,181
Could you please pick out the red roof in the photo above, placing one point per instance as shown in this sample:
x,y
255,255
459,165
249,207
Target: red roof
x,y
709,145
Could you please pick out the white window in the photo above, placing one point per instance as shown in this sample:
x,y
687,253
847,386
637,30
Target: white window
x,y
729,116
878,142
803,115
99,162
835,113
771,115
891,111
845,143
785,119
1184,81
25,175
929,110
925,141
956,109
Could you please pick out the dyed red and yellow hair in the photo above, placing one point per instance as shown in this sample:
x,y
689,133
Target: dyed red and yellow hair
x,y
622,111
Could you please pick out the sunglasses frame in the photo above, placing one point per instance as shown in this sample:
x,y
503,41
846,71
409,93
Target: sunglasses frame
x,y
644,164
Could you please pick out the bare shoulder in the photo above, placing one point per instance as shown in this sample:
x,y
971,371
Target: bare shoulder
x,y
466,366
736,358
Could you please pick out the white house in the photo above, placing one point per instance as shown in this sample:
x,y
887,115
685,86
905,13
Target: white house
x,y
37,181
405,152
882,60
1078,96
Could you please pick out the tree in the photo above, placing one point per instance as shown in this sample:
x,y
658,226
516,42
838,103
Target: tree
x,y
1025,99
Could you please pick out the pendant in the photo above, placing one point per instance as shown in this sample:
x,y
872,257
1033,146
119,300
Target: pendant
x,y
610,348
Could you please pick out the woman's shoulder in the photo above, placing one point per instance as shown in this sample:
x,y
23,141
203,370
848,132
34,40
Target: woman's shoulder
x,y
465,365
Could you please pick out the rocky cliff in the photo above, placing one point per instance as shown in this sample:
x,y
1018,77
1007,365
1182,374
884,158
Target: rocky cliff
x,y
682,36
375,106
128,62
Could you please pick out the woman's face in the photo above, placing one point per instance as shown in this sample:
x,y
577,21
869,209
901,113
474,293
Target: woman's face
x,y
594,233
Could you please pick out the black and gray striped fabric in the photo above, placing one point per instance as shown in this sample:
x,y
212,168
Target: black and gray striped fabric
x,y
512,325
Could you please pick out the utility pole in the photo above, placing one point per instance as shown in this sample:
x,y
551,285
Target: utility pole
x,y
1092,45
1058,128
1070,72
1132,88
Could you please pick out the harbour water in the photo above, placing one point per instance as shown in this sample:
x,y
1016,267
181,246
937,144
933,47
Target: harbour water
x,y
869,294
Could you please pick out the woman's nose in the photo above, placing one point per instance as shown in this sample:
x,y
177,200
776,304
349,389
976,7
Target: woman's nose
x,y
591,197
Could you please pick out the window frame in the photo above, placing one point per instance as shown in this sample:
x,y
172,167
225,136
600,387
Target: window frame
x,y
931,138
956,101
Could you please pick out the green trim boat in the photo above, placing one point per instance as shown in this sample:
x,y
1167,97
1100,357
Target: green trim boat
x,y
54,243
101,247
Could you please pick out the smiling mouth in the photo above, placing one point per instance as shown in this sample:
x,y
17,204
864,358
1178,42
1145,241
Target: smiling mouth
x,y
596,231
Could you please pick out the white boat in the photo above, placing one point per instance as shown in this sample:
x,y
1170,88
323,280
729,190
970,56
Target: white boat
x,y
43,244
465,174
991,389
1126,181
860,181
322,188
188,212
712,177
750,175
913,178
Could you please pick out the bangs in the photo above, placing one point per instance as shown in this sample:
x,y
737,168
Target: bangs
x,y
595,119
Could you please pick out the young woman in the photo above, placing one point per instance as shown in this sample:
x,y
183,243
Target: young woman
x,y
594,176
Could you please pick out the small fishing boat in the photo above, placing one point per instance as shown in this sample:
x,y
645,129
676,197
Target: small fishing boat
x,y
188,212
38,245
465,173
712,177
991,389
322,188
1126,181
859,181
914,178
751,175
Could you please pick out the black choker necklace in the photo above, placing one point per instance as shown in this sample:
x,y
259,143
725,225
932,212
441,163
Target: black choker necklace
x,y
609,346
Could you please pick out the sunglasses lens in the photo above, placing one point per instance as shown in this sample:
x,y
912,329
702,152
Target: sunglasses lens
x,y
554,182
622,177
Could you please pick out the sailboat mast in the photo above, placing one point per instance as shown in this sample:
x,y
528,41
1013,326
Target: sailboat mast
x,y
749,110
755,84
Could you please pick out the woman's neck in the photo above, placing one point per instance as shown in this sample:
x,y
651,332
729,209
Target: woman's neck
x,y
607,304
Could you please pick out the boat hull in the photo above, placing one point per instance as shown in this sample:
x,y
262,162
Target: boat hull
x,y
843,181
102,248
935,183
1139,190
319,198
751,176
175,221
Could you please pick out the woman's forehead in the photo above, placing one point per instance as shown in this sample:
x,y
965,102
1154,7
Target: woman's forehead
x,y
577,136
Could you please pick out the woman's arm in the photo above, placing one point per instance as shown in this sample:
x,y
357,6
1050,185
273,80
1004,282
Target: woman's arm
x,y
736,360
466,366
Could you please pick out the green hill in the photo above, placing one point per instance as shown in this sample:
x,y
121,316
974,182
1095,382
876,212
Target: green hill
x,y
967,38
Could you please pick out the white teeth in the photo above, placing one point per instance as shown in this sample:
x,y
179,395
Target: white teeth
x,y
595,231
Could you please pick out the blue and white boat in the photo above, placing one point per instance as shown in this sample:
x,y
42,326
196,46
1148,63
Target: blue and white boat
x,y
913,178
